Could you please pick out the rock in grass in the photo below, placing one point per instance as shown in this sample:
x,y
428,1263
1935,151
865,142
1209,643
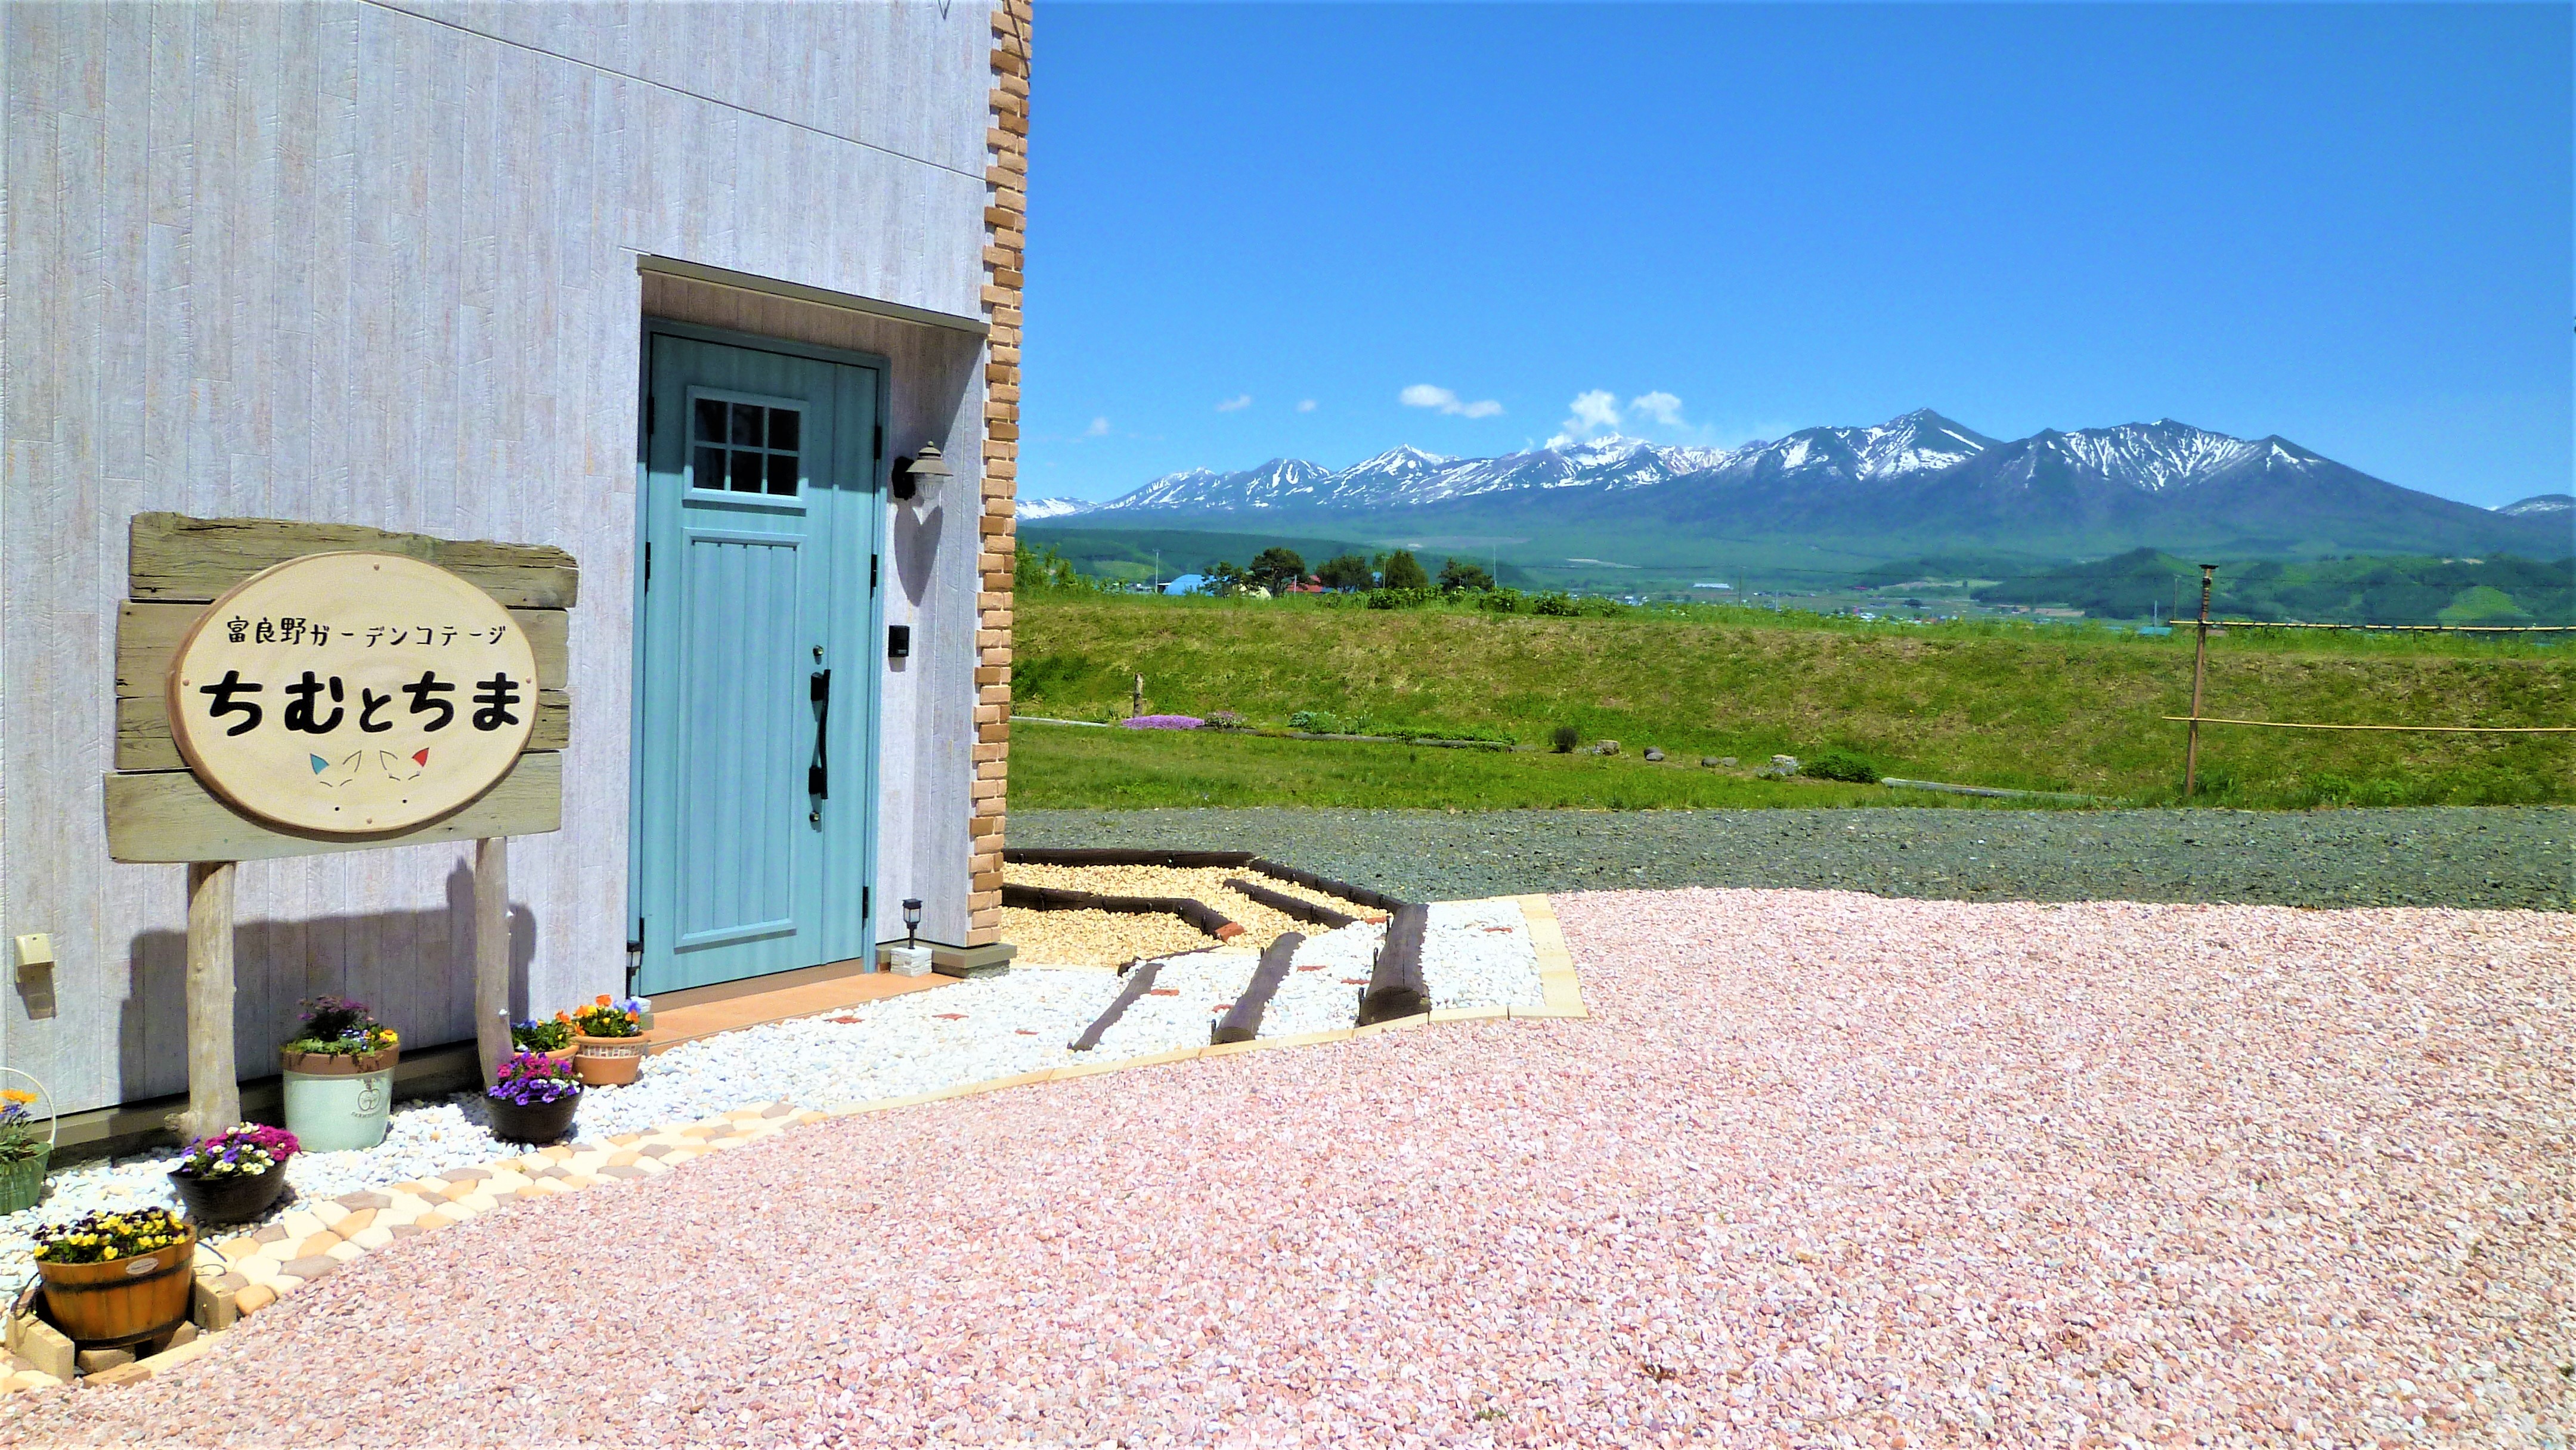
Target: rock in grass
x,y
1653,754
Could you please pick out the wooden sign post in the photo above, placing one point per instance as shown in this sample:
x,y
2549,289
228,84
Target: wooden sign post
x,y
338,689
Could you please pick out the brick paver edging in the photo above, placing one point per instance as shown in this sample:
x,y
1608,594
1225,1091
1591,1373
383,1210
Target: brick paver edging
x,y
247,1273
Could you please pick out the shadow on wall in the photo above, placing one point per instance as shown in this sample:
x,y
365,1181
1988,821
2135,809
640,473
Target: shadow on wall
x,y
414,969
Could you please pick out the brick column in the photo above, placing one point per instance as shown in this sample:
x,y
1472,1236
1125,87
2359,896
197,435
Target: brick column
x,y
1006,176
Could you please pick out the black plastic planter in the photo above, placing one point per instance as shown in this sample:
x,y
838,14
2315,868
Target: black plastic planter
x,y
229,1200
534,1123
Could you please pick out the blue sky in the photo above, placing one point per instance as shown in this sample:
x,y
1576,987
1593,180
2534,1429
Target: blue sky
x,y
1321,231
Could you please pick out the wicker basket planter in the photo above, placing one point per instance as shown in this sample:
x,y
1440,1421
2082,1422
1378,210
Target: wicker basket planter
x,y
229,1200
609,1061
23,1182
121,1301
534,1123
338,1100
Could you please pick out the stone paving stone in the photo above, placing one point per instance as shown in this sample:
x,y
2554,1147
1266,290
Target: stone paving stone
x,y
237,1248
308,1269
285,1284
622,1159
254,1299
466,1175
407,1230
623,1170
374,1237
321,1243
330,1211
357,1222
300,1224
270,1234
626,1140
365,1202
345,1252
408,1206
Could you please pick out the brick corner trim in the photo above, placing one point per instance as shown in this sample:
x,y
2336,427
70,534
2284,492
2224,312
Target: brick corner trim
x,y
1006,184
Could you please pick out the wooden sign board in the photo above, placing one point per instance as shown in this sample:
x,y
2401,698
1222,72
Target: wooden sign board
x,y
292,689
353,694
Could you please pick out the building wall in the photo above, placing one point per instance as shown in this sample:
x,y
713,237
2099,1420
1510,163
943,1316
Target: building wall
x,y
378,264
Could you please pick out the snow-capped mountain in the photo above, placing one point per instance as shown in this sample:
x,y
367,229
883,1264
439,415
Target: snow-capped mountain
x,y
1920,478
2540,505
1031,510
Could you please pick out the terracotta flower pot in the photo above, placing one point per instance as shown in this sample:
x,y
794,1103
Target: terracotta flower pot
x,y
230,1199
123,1300
337,1064
609,1061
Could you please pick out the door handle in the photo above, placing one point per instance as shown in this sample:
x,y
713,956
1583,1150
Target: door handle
x,y
818,776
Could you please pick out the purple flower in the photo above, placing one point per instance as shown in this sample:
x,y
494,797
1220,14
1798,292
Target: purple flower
x,y
1163,722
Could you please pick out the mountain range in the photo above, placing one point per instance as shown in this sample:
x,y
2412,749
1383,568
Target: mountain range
x,y
1913,484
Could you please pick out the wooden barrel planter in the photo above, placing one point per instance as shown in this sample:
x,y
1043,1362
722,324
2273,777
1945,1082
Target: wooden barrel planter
x,y
122,1301
229,1200
609,1061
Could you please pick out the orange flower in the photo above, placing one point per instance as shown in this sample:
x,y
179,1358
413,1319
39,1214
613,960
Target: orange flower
x,y
603,999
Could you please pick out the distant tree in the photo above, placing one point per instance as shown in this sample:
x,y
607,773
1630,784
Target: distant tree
x,y
1225,577
1279,567
1400,570
1459,576
1345,571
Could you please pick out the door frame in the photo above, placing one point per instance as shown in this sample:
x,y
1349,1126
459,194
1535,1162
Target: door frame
x,y
880,471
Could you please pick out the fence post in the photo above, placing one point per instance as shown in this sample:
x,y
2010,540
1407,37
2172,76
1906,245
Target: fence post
x,y
214,1080
2199,670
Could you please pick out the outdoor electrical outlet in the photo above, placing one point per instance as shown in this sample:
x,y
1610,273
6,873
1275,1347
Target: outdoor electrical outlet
x,y
898,641
35,950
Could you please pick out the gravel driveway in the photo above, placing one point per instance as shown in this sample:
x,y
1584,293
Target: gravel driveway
x,y
2429,856
1823,1169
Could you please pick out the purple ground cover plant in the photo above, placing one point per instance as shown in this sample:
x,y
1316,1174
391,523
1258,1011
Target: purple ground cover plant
x,y
1163,722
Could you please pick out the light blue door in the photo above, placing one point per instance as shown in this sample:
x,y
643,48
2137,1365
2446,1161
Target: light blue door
x,y
755,782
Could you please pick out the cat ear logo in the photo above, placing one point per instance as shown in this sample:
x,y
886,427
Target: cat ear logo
x,y
394,766
319,764
420,756
348,770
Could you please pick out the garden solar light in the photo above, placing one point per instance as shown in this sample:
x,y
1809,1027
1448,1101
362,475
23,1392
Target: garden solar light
x,y
911,918
912,474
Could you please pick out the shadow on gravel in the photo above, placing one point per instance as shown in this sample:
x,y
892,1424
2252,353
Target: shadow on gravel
x,y
2487,857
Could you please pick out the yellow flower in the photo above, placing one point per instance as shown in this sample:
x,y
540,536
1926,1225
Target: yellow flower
x,y
392,1037
17,1095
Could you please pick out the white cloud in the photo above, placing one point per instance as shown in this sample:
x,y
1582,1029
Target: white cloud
x,y
1664,408
1425,395
1305,405
1099,429
1594,412
1235,404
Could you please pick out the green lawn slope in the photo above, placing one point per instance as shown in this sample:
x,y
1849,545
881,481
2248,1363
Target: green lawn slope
x,y
2057,709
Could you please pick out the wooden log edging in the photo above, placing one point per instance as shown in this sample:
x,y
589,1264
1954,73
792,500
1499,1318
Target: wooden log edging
x,y
1122,856
1242,1021
1396,988
1297,906
1278,871
1057,898
1139,982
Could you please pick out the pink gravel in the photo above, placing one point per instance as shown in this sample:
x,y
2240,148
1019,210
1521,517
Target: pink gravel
x,y
1824,1169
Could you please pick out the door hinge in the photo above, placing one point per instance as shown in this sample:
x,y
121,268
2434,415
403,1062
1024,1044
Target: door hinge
x,y
880,440
872,573
649,401
648,565
865,901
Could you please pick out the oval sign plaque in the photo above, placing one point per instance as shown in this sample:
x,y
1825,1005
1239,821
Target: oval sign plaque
x,y
352,694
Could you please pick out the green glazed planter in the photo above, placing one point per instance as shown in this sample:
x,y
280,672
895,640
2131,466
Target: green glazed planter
x,y
344,1105
22,1183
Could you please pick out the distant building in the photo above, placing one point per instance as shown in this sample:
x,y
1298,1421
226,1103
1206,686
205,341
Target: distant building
x,y
1187,584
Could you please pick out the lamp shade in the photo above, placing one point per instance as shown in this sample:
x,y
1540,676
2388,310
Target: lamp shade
x,y
911,475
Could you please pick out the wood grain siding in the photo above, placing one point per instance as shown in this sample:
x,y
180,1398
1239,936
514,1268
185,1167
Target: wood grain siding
x,y
352,263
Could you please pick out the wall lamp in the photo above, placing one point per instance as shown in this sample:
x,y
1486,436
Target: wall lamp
x,y
912,475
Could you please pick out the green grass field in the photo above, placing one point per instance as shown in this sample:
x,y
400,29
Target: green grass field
x,y
2059,709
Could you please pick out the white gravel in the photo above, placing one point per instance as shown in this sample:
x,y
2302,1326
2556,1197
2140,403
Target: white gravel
x,y
970,1031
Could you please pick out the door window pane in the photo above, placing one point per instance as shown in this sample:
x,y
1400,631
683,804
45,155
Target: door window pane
x,y
747,448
